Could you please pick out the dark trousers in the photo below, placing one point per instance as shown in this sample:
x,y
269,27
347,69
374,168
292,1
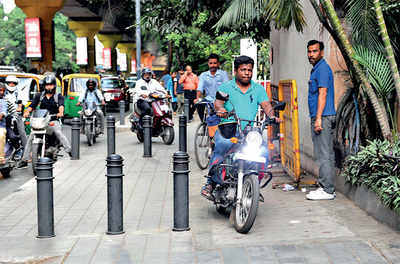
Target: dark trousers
x,y
145,108
200,110
190,95
324,153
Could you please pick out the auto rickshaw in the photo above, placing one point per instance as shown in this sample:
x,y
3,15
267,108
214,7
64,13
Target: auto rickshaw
x,y
73,85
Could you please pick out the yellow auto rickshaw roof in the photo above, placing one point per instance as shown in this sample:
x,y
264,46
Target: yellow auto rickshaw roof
x,y
82,75
20,74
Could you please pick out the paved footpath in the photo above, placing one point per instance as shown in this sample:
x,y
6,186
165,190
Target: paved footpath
x,y
288,229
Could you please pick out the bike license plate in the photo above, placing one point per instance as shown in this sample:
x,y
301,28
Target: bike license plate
x,y
107,96
164,108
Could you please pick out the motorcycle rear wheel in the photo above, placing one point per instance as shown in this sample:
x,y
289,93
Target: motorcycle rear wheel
x,y
245,214
168,135
140,136
36,155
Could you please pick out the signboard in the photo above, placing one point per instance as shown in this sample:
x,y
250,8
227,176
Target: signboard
x,y
249,48
32,38
121,61
107,58
81,51
133,65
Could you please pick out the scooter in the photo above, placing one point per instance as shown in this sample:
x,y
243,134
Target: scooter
x,y
162,119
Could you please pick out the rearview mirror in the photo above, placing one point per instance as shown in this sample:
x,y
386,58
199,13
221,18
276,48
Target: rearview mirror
x,y
222,96
280,106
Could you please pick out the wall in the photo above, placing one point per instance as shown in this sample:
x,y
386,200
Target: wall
x,y
290,61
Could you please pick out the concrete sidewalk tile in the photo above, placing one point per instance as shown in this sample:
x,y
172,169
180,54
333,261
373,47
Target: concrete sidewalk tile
x,y
235,255
182,257
83,250
338,253
108,249
209,257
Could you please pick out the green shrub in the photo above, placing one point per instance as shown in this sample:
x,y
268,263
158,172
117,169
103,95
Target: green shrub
x,y
378,172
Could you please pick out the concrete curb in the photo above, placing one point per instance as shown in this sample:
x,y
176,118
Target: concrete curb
x,y
368,201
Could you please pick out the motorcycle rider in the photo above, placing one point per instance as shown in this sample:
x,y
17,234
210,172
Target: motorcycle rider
x,y
144,87
245,96
54,103
14,109
3,131
90,96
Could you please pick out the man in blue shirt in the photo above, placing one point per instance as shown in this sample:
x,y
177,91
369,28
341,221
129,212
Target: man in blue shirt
x,y
209,82
321,104
165,79
245,96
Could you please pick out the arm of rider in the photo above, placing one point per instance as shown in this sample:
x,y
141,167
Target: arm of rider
x,y
267,108
60,111
19,108
219,107
322,92
2,115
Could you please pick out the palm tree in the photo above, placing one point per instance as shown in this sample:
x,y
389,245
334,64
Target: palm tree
x,y
388,47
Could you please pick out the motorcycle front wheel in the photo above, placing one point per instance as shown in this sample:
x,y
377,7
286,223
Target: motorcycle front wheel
x,y
140,136
168,135
89,137
6,172
244,214
36,155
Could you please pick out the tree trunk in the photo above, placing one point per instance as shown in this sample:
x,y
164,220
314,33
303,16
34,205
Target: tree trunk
x,y
348,51
388,47
169,56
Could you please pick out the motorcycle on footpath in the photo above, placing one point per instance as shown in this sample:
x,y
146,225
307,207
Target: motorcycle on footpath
x,y
242,169
91,125
161,119
43,145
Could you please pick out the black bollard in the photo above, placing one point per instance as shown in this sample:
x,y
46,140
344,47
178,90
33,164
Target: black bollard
x,y
182,133
147,127
110,135
75,138
186,108
114,176
122,112
181,191
45,205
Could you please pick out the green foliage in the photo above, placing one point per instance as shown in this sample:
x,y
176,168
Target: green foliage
x,y
380,173
12,38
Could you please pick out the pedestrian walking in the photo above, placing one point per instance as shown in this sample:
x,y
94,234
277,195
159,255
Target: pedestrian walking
x,y
321,104
178,88
171,91
190,83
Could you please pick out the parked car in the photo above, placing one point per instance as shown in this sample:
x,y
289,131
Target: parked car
x,y
131,84
114,90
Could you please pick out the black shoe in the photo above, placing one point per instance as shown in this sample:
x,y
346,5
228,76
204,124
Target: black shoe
x,y
22,164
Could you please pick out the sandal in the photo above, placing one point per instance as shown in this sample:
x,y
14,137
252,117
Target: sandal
x,y
206,191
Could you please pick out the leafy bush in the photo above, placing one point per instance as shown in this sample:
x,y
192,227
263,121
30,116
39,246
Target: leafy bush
x,y
372,167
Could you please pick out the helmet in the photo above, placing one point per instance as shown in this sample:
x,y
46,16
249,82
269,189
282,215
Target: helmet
x,y
147,70
50,79
91,81
11,79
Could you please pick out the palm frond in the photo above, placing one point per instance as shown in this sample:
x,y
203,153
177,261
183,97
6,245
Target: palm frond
x,y
240,12
286,12
361,15
377,69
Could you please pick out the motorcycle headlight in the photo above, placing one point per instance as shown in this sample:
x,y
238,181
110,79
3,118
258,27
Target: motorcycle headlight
x,y
88,112
253,143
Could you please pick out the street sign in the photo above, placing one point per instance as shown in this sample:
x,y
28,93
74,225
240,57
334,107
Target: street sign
x,y
32,38
81,51
107,58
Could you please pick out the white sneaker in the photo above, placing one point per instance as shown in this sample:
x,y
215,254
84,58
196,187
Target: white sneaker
x,y
320,194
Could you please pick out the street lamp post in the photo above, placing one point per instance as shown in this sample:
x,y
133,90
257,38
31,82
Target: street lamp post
x,y
138,40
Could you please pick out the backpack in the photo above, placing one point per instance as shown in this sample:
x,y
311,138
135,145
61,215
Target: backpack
x,y
95,94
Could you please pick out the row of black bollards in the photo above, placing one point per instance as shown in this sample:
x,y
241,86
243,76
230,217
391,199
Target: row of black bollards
x,y
115,181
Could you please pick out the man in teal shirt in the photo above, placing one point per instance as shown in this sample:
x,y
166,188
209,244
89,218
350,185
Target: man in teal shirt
x,y
245,96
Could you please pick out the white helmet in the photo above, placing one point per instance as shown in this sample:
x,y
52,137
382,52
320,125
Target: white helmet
x,y
14,79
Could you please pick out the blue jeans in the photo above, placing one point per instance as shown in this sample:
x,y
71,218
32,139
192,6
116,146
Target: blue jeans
x,y
221,148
